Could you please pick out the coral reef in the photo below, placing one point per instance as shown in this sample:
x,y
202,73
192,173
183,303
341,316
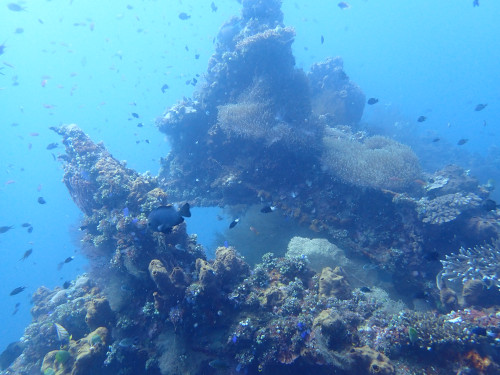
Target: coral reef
x,y
319,252
153,304
333,95
377,162
481,263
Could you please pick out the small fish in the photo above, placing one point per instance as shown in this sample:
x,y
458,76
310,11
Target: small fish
x,y
128,342
343,5
164,218
67,260
475,3
30,229
233,223
268,209
2,50
140,125
26,225
184,16
66,284
365,289
197,56
10,182
436,140
15,7
5,229
421,118
41,200
213,7
17,290
27,253
462,141
164,88
135,115
62,333
254,230
19,30
372,101
52,146
322,39
16,308
480,107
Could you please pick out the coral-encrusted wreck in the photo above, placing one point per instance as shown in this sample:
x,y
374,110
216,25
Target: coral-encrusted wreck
x,y
260,130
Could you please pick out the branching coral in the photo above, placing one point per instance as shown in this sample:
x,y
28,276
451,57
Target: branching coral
x,y
481,262
378,162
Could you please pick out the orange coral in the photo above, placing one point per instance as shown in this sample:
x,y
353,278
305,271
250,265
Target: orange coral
x,y
475,360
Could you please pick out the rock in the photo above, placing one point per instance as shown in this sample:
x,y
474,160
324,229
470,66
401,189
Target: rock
x,y
99,313
472,292
448,298
369,361
160,276
319,252
332,328
228,266
332,283
206,276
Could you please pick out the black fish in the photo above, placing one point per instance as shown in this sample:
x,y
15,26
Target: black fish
x,y
365,289
135,115
67,260
6,228
233,223
268,209
2,50
475,3
18,290
164,88
27,253
30,229
41,200
164,218
322,39
197,56
462,141
52,146
372,101
436,140
184,16
140,125
26,225
214,7
489,205
480,107
421,118
66,284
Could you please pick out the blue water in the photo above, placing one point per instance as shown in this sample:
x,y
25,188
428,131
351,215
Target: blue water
x,y
94,65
